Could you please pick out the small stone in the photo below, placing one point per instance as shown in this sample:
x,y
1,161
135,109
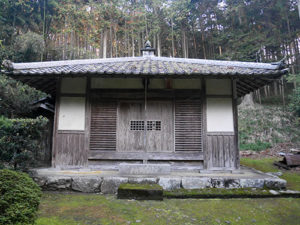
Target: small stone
x,y
138,221
274,192
228,222
254,220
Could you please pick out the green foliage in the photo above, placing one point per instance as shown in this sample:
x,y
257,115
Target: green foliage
x,y
29,47
16,98
294,105
257,146
20,140
20,198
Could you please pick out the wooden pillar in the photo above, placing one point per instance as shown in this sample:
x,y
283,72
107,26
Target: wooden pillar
x,y
87,119
55,123
235,125
204,125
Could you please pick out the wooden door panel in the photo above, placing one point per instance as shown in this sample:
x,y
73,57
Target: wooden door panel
x,y
188,125
130,129
103,125
160,128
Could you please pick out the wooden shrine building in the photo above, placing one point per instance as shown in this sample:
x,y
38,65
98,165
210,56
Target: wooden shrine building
x,y
146,109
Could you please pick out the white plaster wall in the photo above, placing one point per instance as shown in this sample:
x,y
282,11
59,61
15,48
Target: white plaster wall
x,y
219,115
186,84
73,85
218,87
117,83
71,113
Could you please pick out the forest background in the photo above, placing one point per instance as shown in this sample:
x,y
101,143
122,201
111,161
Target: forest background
x,y
245,30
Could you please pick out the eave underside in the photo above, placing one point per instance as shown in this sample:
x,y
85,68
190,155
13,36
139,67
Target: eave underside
x,y
245,84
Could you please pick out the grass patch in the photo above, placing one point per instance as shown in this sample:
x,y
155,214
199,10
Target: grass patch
x,y
266,165
258,146
69,209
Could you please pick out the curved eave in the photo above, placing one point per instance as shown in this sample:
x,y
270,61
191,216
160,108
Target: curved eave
x,y
246,83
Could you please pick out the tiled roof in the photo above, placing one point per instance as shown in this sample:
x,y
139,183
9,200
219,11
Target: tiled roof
x,y
146,66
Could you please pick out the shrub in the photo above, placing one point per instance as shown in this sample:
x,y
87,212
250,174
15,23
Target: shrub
x,y
20,197
20,140
294,105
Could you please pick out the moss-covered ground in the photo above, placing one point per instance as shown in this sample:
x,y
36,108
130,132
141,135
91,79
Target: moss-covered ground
x,y
75,209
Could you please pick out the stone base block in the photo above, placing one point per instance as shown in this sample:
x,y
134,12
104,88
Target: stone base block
x,y
144,169
88,185
110,184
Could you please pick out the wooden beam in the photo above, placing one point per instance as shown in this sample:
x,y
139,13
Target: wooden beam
x,y
178,156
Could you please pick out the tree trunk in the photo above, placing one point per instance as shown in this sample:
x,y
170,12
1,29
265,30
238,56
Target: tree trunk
x,y
173,47
132,43
158,46
111,40
104,43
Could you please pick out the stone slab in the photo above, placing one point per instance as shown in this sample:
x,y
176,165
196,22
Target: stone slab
x,y
196,182
170,183
57,183
110,185
144,169
252,183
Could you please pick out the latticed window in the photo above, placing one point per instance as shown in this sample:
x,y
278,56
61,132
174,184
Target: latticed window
x,y
154,125
137,125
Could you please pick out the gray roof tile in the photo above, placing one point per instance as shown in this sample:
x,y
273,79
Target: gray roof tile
x,y
147,66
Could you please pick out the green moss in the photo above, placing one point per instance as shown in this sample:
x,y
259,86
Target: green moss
x,y
266,165
140,186
215,192
69,209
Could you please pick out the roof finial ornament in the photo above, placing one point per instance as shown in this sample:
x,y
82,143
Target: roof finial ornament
x,y
148,50
148,44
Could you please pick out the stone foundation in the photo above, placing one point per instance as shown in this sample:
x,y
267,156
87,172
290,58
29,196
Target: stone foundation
x,y
107,182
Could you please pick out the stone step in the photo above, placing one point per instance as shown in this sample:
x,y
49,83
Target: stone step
x,y
140,191
144,169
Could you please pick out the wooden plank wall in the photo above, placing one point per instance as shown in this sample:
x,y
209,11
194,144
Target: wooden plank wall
x,y
70,149
221,150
